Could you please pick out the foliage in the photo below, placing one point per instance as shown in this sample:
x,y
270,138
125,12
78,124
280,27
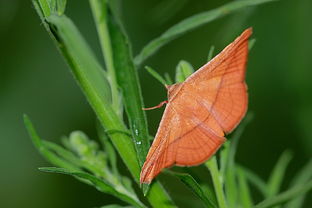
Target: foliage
x,y
117,88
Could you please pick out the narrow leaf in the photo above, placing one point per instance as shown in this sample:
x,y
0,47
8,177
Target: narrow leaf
x,y
91,78
224,157
95,167
183,70
191,183
277,175
210,54
255,180
49,155
52,5
128,81
244,193
156,75
165,10
300,179
100,184
109,149
212,165
67,155
235,139
251,43
230,171
168,78
44,6
61,6
115,206
285,196
75,50
192,23
99,11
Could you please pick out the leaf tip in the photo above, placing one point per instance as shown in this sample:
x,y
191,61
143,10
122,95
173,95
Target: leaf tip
x,y
145,188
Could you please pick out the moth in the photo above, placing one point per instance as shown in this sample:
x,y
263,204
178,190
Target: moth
x,y
200,111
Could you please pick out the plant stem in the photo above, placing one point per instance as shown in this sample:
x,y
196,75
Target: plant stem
x,y
217,181
99,11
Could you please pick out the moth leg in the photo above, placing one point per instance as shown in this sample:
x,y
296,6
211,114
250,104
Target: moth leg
x,y
157,106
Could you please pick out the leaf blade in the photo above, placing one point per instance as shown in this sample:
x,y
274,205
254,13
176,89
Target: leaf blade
x,y
191,183
101,185
183,70
245,197
230,168
285,196
277,175
190,24
155,74
255,180
128,81
46,153
301,178
91,78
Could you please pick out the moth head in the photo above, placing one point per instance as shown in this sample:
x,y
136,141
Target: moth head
x,y
172,90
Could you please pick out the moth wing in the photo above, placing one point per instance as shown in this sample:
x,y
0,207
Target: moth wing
x,y
220,84
210,102
182,139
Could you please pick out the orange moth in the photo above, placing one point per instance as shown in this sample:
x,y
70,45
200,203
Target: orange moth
x,y
200,111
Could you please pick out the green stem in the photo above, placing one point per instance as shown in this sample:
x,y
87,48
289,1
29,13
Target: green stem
x,y
99,11
217,181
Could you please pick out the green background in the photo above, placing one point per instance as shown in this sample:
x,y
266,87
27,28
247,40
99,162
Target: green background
x,y
35,80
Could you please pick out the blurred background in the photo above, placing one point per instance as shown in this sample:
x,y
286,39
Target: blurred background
x,y
35,80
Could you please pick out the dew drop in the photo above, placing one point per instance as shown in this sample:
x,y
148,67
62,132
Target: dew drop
x,y
136,132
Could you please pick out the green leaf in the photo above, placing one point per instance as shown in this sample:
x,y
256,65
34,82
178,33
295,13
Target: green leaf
x,y
168,78
45,152
61,6
210,54
156,75
44,6
183,70
52,5
192,23
63,153
224,157
99,11
230,172
212,165
128,81
255,180
165,10
191,183
302,177
100,184
244,192
209,192
251,43
115,206
93,83
235,139
90,76
109,149
97,165
285,196
277,175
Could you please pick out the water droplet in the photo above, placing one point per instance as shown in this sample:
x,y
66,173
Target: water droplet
x,y
139,142
136,132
